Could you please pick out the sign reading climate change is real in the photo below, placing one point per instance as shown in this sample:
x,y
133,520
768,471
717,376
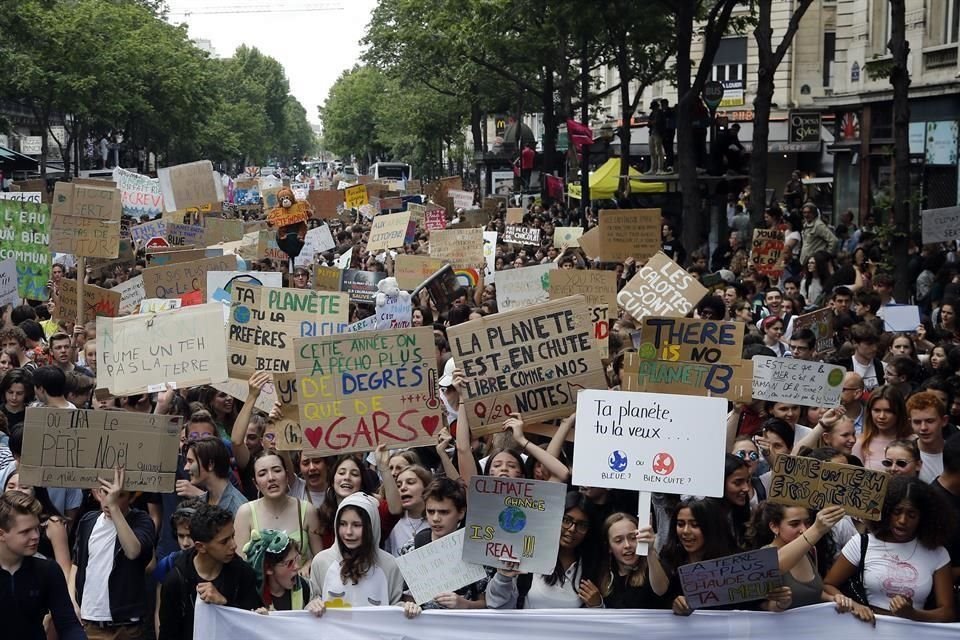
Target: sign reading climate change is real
x,y
650,442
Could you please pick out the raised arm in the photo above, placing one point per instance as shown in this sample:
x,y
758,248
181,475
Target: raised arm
x,y
558,471
390,491
827,422
239,433
560,435
465,459
791,553
443,442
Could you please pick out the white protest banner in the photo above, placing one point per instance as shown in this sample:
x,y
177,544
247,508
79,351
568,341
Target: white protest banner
x,y
900,317
513,520
388,231
650,442
529,236
461,199
564,237
186,346
343,262
489,256
661,288
317,240
132,294
741,577
8,282
189,185
437,568
75,447
156,305
810,384
139,195
213,622
519,288
940,225
22,196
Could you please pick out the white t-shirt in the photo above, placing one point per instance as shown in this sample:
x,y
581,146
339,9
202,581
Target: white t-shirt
x,y
896,569
868,373
96,591
403,533
299,491
545,596
932,466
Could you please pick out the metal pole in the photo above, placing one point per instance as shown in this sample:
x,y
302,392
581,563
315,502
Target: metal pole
x,y
585,184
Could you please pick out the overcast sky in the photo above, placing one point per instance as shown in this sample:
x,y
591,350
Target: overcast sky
x,y
313,47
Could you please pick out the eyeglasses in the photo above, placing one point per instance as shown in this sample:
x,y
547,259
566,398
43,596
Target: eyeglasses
x,y
292,563
581,526
743,454
901,464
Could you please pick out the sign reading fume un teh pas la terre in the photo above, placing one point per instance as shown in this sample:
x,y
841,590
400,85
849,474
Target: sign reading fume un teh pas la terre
x,y
360,390
816,484
75,447
530,361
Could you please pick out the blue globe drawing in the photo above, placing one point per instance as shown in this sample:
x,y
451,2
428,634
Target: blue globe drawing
x,y
617,461
241,315
512,519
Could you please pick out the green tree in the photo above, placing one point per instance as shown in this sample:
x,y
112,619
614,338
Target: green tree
x,y
349,114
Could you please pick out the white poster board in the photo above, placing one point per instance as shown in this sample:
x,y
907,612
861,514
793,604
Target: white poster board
x,y
132,294
900,317
437,568
811,384
489,256
8,282
317,240
520,288
940,225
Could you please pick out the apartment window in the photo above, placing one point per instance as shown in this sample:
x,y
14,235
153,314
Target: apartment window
x,y
729,68
952,23
829,55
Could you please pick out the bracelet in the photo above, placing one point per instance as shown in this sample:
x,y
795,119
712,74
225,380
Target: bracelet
x,y
807,540
525,445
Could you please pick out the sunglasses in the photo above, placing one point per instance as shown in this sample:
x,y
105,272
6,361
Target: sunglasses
x,y
901,464
580,525
292,563
743,454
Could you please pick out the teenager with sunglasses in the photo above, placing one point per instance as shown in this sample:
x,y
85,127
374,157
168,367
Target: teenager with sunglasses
x,y
276,560
746,449
902,458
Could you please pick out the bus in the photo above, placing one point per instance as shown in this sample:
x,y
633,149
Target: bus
x,y
392,173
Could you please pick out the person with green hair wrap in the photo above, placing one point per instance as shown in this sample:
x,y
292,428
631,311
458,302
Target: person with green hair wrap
x,y
275,559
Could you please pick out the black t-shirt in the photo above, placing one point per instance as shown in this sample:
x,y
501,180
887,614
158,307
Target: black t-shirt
x,y
953,545
623,596
13,418
285,602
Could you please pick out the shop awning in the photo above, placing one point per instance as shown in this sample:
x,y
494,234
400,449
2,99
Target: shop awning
x,y
10,160
605,181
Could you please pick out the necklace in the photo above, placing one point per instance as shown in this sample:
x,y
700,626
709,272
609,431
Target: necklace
x,y
886,547
276,516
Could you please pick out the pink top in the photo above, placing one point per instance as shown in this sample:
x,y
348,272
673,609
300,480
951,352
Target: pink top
x,y
877,446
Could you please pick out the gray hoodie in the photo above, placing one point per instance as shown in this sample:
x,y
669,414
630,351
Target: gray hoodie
x,y
383,582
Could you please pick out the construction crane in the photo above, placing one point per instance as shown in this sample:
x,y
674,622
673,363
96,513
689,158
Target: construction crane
x,y
260,7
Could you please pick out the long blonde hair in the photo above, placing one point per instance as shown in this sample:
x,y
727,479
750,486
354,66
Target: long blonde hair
x,y
638,574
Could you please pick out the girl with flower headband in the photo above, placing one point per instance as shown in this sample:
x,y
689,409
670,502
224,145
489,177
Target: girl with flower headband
x,y
275,559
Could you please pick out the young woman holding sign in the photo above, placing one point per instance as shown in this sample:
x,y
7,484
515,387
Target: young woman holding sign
x,y
624,579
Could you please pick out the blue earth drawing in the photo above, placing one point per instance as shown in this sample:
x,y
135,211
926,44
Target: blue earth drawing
x,y
618,461
241,315
512,520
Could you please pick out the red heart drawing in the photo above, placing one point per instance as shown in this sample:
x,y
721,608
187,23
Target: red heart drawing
x,y
314,436
430,423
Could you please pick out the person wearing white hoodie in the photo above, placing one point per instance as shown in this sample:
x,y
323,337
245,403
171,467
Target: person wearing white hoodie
x,y
355,572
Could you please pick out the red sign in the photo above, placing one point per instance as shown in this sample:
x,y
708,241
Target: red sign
x,y
157,242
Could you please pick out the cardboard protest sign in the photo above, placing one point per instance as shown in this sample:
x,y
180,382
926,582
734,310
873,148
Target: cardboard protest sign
x,y
596,286
807,482
458,247
360,285
388,231
316,240
75,447
284,433
626,233
25,237
728,381
417,212
438,567
821,323
590,242
8,282
325,202
131,293
470,219
356,196
217,230
189,185
530,361
519,288
185,235
139,195
489,256
175,280
435,219
461,199
411,270
282,216
185,347
96,302
810,384
564,237
741,577
692,340
900,317
661,288
529,236
600,315
156,305
143,233
358,391
940,225
86,220
515,215
264,321
327,278
767,251
513,520
159,256
650,442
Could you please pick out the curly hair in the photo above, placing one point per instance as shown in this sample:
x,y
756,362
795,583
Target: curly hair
x,y
937,520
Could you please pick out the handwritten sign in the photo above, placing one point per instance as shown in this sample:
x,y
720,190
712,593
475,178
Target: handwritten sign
x,y
811,384
327,278
316,240
690,340
86,220
767,251
515,215
661,288
264,321
815,484
461,199
186,346
139,195
598,287
435,219
96,302
512,520
626,233
156,305
75,447
35,197
396,312
143,233
240,390
438,567
182,278
411,270
519,288
388,231
8,282
529,236
564,237
189,185
356,196
362,390
131,293
940,225
25,237
728,381
650,442
821,323
741,577
185,235
458,247
530,361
